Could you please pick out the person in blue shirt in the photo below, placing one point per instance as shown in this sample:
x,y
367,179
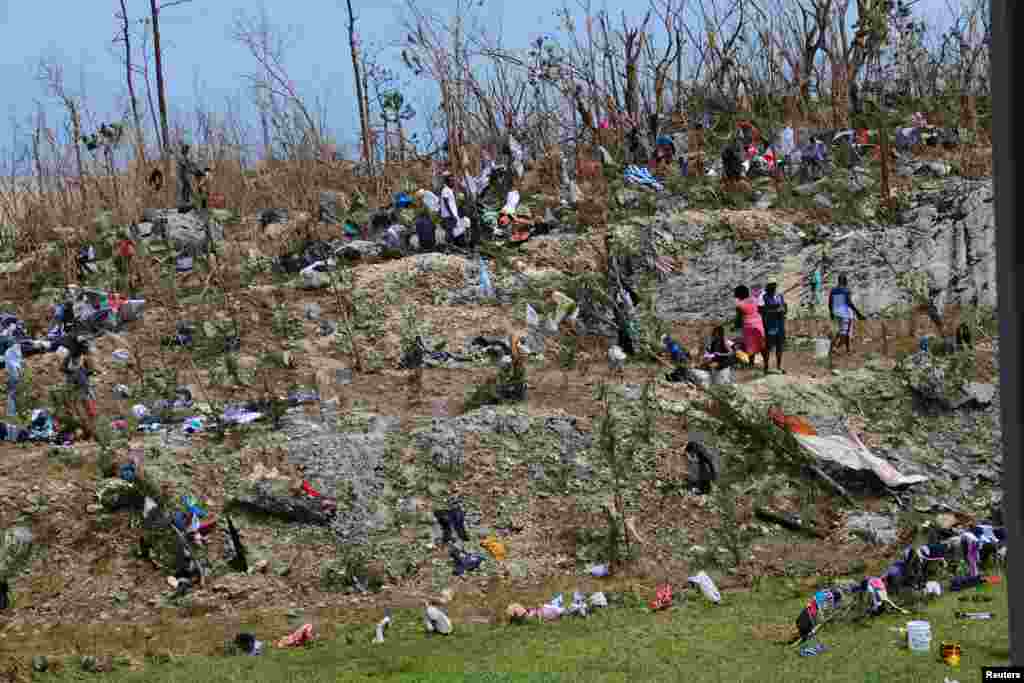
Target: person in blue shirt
x,y
842,309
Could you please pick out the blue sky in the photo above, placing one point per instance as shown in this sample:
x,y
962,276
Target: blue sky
x,y
201,59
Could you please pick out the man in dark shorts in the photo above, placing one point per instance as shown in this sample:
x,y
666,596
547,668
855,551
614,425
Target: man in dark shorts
x,y
774,315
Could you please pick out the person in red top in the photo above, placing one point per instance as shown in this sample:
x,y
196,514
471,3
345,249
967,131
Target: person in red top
x,y
125,256
748,316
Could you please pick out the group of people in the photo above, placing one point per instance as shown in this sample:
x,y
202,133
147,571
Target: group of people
x,y
762,320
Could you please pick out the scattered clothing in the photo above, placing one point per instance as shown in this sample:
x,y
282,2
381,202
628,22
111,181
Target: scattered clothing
x,y
662,597
494,547
437,621
300,637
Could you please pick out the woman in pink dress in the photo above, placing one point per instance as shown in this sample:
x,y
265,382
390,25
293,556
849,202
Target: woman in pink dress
x,y
753,327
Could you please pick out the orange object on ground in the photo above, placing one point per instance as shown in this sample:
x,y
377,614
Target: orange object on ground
x,y
792,423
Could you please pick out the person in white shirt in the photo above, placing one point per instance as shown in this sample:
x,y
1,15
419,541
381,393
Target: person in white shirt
x,y
449,210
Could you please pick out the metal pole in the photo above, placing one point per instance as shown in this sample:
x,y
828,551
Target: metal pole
x,y
1004,136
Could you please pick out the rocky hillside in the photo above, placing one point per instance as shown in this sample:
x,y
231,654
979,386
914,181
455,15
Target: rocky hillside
x,y
537,475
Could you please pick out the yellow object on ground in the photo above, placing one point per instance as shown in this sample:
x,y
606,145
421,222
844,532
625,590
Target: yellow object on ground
x,y
494,547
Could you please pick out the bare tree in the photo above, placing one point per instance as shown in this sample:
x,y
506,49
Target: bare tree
x,y
669,12
125,37
359,77
51,74
802,36
272,79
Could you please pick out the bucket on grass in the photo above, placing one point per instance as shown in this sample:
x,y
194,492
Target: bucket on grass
x,y
919,636
821,348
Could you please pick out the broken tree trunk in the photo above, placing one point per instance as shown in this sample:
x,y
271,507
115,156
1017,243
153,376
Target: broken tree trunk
x,y
791,522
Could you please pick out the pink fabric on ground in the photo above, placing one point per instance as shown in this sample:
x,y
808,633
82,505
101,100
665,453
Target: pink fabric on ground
x,y
300,637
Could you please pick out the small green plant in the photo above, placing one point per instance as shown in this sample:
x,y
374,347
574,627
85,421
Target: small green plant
x,y
284,324
617,459
646,428
734,536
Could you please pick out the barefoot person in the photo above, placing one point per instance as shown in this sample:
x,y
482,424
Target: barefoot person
x,y
773,312
841,309
753,327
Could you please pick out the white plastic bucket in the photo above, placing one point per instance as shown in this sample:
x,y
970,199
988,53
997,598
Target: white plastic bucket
x,y
919,636
821,348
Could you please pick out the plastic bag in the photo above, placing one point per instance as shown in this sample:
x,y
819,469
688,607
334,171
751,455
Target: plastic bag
x,y
511,202
486,289
707,587
532,319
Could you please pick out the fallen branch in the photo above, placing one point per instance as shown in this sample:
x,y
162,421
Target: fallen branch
x,y
790,522
831,482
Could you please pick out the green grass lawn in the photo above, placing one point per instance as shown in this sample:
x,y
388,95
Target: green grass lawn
x,y
694,641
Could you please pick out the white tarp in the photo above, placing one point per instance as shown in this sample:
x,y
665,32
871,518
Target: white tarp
x,y
854,455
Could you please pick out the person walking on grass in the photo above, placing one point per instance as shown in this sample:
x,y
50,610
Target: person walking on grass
x,y
749,318
773,312
842,309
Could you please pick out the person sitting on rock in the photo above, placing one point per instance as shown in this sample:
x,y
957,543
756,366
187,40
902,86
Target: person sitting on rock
x,y
718,352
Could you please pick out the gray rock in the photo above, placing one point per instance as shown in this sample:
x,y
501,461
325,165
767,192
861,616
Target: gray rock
x,y
273,217
823,201
350,464
935,169
979,394
628,199
190,232
875,528
144,229
807,189
312,311
343,376
358,249
331,207
442,444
